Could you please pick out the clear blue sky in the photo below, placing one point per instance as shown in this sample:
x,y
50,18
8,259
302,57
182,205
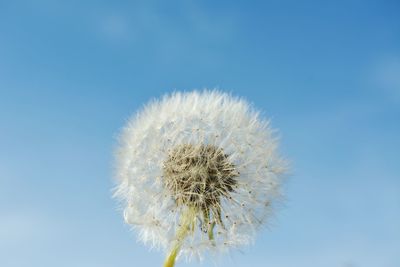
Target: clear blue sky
x,y
326,72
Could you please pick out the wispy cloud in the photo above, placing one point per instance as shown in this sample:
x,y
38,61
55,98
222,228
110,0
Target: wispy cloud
x,y
21,227
387,75
115,27
169,32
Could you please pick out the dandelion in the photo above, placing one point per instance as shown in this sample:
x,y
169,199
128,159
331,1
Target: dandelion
x,y
197,172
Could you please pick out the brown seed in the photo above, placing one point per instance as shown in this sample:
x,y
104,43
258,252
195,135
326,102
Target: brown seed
x,y
199,176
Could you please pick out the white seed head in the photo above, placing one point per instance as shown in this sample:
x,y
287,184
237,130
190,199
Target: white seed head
x,y
206,151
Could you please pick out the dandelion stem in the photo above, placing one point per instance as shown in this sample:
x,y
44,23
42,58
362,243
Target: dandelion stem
x,y
211,232
170,262
187,221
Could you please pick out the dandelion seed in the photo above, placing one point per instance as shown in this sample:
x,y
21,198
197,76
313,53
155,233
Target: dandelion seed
x,y
197,172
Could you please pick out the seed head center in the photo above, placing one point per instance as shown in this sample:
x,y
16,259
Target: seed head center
x,y
199,175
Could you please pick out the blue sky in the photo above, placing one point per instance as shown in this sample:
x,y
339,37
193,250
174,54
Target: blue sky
x,y
326,73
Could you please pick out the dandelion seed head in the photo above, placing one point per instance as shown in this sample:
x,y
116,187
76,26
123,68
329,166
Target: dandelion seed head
x,y
207,151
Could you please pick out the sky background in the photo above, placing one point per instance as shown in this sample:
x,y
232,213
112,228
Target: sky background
x,y
327,73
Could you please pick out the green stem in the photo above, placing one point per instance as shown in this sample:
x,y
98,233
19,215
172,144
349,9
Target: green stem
x,y
211,231
170,261
187,222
